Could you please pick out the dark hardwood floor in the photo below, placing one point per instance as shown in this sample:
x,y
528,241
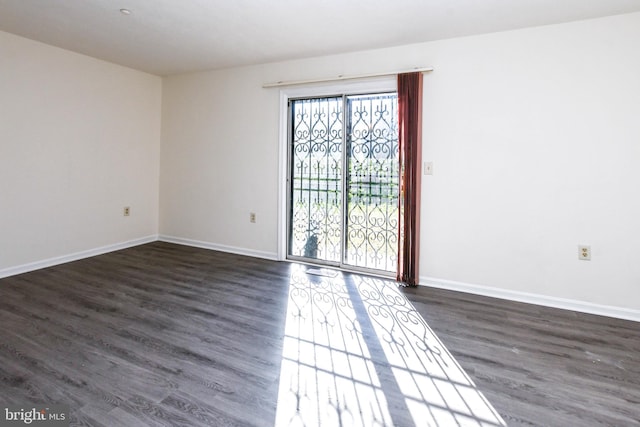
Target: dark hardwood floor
x,y
162,334
540,366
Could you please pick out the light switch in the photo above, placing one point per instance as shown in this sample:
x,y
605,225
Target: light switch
x,y
428,168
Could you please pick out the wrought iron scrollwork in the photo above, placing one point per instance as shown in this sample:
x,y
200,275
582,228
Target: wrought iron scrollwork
x,y
372,206
316,165
324,223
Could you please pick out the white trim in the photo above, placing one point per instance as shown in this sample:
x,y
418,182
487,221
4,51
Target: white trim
x,y
283,171
530,298
379,84
50,262
217,247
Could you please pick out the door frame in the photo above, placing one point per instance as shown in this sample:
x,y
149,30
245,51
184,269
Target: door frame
x,y
350,87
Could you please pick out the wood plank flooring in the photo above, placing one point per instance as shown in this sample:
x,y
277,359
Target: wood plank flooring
x,y
540,366
162,334
357,353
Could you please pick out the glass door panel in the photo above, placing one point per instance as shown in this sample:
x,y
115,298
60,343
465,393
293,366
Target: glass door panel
x,y
371,225
343,181
315,229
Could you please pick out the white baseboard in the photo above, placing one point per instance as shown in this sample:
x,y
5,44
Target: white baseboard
x,y
217,247
50,262
530,298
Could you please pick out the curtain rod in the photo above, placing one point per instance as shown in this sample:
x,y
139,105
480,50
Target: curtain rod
x,y
343,77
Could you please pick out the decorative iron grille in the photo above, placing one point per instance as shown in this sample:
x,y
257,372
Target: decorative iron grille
x,y
345,216
372,182
316,169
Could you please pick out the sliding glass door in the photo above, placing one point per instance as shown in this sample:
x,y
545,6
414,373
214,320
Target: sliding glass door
x,y
343,181
316,179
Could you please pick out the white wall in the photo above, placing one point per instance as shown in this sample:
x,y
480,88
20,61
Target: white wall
x,y
536,141
219,160
534,135
79,140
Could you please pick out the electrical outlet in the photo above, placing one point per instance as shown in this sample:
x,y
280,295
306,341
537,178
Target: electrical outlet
x,y
584,253
252,217
127,211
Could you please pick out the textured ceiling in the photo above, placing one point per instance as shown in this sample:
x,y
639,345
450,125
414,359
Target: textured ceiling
x,y
175,36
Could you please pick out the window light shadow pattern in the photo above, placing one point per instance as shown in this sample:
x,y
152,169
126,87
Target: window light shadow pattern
x,y
357,353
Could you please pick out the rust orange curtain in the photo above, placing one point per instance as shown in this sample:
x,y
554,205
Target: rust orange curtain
x,y
410,154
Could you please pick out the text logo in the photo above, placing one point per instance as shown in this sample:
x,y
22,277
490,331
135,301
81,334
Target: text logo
x,y
42,416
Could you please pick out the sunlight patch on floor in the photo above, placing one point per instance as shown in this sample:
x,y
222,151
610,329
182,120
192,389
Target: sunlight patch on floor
x,y
356,353
437,390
